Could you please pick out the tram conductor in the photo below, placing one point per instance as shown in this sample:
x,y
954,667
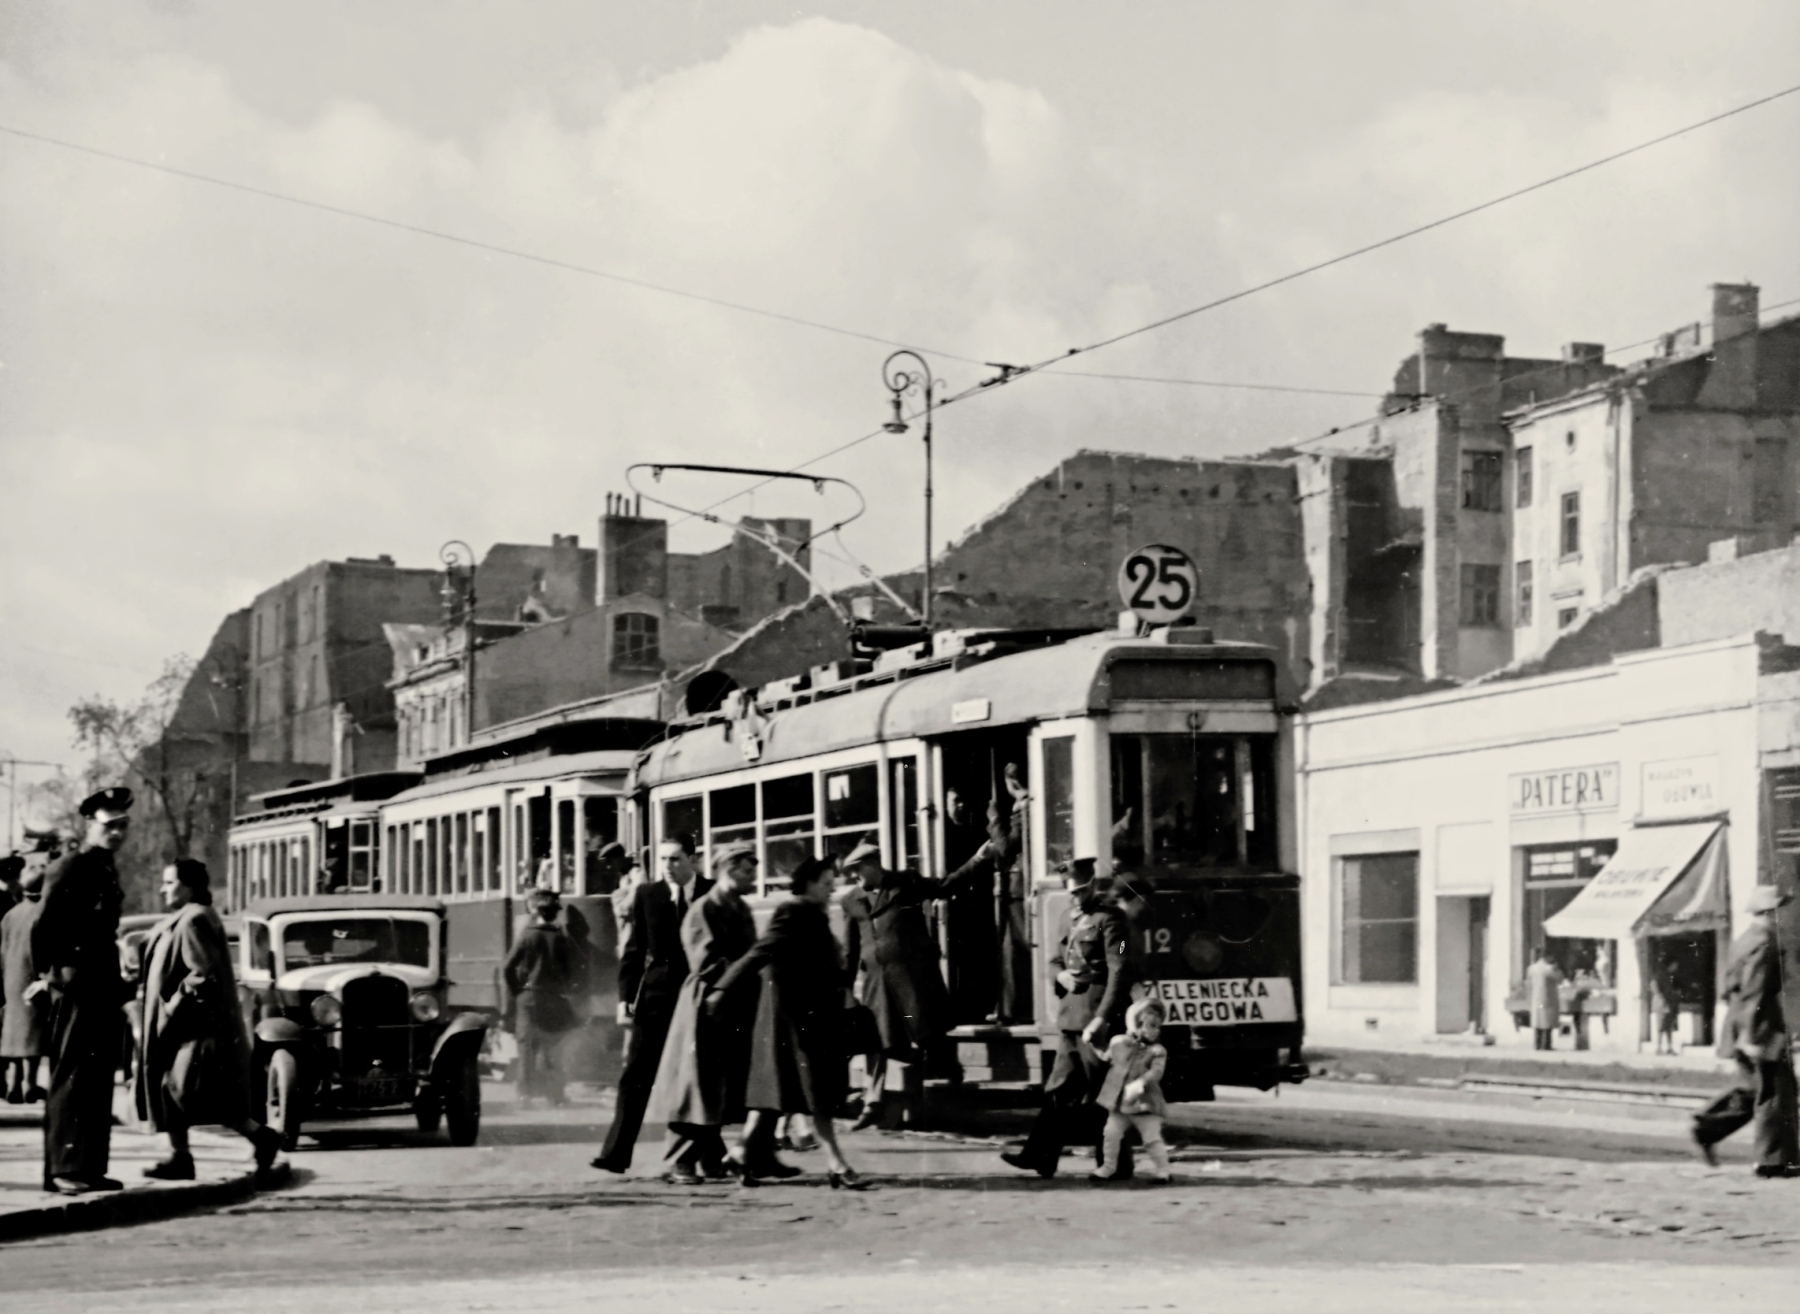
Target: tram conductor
x,y
1091,996
73,946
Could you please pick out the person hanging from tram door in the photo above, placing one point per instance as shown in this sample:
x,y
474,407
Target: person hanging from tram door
x,y
1092,992
1012,890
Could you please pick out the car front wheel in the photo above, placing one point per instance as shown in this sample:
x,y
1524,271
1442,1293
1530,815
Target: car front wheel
x,y
462,1102
282,1110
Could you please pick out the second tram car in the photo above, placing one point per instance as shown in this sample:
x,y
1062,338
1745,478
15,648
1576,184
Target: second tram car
x,y
1162,755
306,839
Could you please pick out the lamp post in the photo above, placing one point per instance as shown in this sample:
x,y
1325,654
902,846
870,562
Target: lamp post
x,y
459,594
901,382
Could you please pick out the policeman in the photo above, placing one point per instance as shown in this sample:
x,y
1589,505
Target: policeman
x,y
1091,992
73,947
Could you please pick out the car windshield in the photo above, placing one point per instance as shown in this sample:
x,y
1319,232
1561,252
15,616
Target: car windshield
x,y
372,939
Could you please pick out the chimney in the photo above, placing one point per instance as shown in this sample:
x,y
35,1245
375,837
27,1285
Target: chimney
x,y
1583,353
1731,376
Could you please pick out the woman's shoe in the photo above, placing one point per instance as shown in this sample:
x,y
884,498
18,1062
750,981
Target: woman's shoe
x,y
178,1167
847,1180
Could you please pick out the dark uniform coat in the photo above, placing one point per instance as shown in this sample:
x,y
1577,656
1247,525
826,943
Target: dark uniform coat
x,y
194,1066
22,1025
798,1060
902,982
1093,952
652,960
540,973
1755,1038
706,1058
1751,988
73,941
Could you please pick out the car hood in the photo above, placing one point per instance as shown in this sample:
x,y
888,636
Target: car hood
x,y
331,976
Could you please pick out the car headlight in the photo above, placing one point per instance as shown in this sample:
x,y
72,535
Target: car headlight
x,y
327,1011
427,1007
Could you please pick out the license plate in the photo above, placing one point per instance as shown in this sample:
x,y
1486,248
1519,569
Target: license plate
x,y
382,1090
1231,1001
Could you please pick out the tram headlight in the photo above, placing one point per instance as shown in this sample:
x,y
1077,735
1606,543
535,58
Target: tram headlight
x,y
327,1011
427,1007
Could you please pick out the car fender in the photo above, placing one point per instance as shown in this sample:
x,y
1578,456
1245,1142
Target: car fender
x,y
462,1037
279,1033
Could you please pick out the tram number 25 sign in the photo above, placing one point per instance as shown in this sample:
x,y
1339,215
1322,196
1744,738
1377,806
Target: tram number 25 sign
x,y
1159,583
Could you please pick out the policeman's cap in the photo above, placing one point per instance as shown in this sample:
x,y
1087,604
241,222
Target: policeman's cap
x,y
1079,872
107,804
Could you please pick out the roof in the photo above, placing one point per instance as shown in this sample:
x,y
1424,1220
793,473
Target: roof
x,y
537,768
344,903
1038,684
371,786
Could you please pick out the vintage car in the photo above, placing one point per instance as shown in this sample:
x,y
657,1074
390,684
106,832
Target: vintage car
x,y
345,997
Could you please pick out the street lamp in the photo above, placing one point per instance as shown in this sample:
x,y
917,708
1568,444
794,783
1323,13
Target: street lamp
x,y
901,382
458,593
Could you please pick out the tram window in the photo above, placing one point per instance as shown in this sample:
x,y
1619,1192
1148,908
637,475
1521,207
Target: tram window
x,y
681,819
537,818
851,797
731,815
1258,771
565,845
790,796
599,827
1059,799
789,828
281,867
462,852
493,850
446,856
521,863
392,874
401,840
261,958
1193,800
431,857
903,804
303,866
362,854
477,851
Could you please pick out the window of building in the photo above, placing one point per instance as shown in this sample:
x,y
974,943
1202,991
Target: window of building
x,y
1378,919
1565,616
1571,524
1554,875
1569,440
1523,462
1769,480
636,640
1481,473
1522,603
1480,595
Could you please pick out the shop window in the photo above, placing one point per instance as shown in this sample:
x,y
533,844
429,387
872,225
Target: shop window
x,y
1570,530
1554,875
1378,919
636,640
852,807
1481,472
1480,595
1522,601
790,823
1059,799
1522,462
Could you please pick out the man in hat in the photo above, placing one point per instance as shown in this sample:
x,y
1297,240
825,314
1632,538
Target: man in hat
x,y
73,946
1091,992
22,997
652,966
1755,1037
888,940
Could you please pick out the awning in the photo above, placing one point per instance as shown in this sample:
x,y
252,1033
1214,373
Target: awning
x,y
1664,880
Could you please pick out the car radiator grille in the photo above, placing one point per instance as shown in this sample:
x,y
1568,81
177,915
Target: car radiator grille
x,y
377,1027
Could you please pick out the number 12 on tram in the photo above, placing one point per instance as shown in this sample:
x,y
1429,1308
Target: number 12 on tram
x,y
1165,756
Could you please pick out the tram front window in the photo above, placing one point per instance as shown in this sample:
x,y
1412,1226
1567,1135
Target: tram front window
x,y
1193,800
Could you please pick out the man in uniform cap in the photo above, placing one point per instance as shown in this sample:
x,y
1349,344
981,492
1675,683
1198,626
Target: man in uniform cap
x,y
1755,1037
1091,993
73,947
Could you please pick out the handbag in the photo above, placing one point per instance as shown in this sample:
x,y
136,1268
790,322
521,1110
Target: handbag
x,y
862,1033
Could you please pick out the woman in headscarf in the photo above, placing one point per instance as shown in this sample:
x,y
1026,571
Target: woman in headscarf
x,y
194,1065
799,1060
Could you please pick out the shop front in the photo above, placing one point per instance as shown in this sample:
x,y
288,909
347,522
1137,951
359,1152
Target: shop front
x,y
1605,818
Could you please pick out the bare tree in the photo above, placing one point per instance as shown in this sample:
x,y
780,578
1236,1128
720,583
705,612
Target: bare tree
x,y
136,742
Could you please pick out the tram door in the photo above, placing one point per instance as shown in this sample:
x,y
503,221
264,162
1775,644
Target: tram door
x,y
987,923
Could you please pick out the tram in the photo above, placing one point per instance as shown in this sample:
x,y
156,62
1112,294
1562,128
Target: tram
x,y
1162,754
311,838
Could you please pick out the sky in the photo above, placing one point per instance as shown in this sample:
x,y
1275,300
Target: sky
x,y
203,389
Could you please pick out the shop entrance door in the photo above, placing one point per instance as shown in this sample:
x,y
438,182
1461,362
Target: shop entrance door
x,y
1478,951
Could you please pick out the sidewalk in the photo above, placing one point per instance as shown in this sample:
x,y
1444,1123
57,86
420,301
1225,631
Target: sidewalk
x,y
1696,1073
26,1209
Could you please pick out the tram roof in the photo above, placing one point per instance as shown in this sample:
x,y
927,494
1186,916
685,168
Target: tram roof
x,y
360,901
546,767
1038,684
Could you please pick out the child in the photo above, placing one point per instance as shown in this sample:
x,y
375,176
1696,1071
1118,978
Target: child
x,y
1132,1092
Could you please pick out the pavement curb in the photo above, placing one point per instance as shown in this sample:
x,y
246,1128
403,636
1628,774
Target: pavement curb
x,y
117,1208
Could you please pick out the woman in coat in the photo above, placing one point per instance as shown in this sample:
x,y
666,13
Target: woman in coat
x,y
23,1014
194,1065
798,1058
699,1084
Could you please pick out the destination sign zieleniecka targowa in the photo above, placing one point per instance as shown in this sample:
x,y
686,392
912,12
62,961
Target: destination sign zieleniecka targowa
x,y
1227,1001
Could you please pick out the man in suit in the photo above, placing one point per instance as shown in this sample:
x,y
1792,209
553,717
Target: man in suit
x,y
652,966
1091,992
1755,1037
73,946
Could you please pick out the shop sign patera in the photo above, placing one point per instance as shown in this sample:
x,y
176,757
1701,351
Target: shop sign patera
x,y
1591,788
